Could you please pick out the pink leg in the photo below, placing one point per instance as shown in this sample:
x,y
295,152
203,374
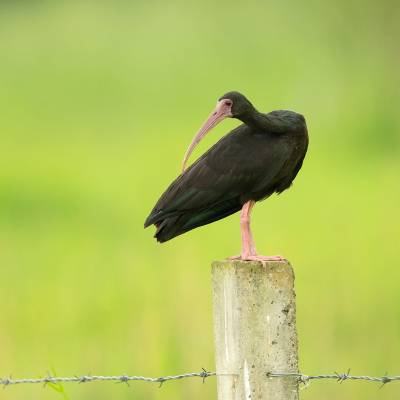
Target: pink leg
x,y
249,252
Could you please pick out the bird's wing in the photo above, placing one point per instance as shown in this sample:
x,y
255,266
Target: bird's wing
x,y
199,187
219,179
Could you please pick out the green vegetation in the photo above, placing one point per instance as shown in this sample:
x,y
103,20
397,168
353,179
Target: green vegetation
x,y
98,103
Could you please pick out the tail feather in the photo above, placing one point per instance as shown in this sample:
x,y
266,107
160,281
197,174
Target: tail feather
x,y
174,224
167,229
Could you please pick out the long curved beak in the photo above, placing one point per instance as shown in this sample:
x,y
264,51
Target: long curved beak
x,y
221,111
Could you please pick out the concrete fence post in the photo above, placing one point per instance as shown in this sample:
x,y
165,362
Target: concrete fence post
x,y
255,329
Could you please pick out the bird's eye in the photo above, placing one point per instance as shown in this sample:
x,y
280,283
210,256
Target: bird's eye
x,y
228,103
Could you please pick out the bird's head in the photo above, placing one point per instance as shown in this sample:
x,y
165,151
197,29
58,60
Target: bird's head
x,y
239,105
230,105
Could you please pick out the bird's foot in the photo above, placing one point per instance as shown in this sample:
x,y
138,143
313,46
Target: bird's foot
x,y
264,258
256,257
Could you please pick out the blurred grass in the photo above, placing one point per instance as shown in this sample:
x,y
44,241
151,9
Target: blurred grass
x,y
98,103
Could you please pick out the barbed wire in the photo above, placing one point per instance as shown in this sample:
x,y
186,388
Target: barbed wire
x,y
110,378
306,379
203,374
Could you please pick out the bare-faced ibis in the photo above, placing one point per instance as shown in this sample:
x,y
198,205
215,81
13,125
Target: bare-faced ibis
x,y
260,157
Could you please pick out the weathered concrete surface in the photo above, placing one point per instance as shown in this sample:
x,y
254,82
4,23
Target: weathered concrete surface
x,y
254,329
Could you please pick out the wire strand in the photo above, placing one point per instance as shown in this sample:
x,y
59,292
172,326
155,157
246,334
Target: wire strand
x,y
203,374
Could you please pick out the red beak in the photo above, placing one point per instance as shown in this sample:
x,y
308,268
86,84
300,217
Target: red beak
x,y
222,110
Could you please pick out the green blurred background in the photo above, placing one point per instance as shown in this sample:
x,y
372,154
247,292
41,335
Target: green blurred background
x,y
99,101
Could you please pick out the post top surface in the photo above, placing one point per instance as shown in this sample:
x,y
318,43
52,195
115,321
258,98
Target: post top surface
x,y
266,266
241,263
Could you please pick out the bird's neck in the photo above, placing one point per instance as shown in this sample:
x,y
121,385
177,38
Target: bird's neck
x,y
255,119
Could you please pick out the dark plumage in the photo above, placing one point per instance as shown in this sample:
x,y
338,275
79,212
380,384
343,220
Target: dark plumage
x,y
258,158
